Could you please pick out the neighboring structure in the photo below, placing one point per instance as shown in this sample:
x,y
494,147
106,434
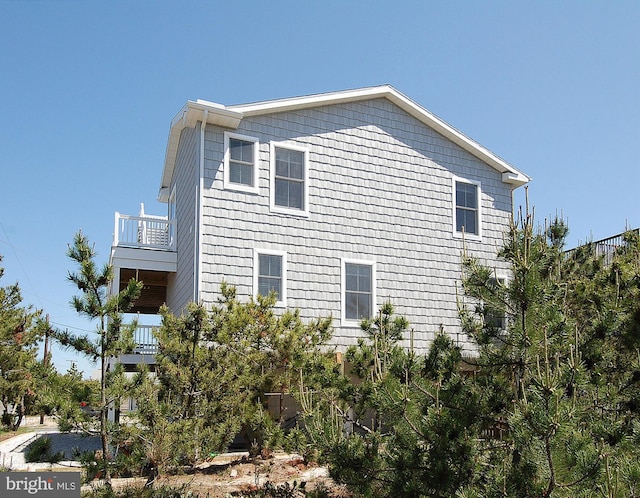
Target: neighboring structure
x,y
605,247
338,202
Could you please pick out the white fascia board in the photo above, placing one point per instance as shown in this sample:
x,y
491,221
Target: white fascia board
x,y
304,102
143,259
188,117
511,175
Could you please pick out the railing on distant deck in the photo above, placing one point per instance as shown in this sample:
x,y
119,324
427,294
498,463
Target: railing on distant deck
x,y
606,247
152,232
146,343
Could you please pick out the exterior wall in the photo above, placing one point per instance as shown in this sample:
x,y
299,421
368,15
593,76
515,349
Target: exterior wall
x,y
180,289
380,189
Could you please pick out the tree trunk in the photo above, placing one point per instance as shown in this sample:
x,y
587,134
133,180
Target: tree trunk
x,y
103,417
19,415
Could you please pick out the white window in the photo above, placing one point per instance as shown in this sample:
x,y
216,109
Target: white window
x,y
467,217
494,317
289,183
358,289
240,163
270,274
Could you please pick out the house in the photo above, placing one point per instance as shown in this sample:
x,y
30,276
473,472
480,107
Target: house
x,y
338,202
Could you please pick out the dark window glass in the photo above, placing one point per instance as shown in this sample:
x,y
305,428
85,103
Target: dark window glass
x,y
270,274
241,162
358,291
289,178
466,208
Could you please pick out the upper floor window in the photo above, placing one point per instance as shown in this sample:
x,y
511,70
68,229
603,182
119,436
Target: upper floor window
x,y
358,289
495,317
270,274
289,184
467,218
240,162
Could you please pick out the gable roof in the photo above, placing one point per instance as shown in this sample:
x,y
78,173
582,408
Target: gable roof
x,y
230,117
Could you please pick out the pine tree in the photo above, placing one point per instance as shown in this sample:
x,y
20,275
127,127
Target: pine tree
x,y
397,424
546,407
19,335
558,378
214,367
113,339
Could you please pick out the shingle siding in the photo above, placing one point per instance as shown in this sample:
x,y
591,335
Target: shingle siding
x,y
380,189
181,283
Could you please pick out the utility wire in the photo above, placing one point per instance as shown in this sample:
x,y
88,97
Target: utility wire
x,y
71,327
33,289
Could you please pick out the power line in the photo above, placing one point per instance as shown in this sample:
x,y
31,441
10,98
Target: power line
x,y
71,327
15,253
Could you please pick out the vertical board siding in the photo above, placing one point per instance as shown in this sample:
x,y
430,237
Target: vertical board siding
x,y
180,288
380,189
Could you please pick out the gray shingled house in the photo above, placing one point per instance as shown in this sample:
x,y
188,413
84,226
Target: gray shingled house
x,y
337,201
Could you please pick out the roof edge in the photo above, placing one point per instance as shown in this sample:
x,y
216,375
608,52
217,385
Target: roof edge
x,y
231,116
511,175
190,114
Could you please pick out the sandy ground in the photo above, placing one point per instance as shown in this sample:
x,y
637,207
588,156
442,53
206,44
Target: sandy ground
x,y
225,475
231,474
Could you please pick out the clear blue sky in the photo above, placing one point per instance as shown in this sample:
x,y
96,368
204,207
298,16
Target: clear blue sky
x,y
88,89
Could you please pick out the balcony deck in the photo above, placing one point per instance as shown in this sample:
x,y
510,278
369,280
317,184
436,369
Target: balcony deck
x,y
144,248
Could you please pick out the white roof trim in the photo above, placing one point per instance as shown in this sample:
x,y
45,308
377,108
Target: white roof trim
x,y
188,117
230,117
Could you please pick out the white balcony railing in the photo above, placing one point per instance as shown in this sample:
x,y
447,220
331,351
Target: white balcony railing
x,y
146,231
146,342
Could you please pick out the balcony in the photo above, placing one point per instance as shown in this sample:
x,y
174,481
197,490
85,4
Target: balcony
x,y
146,343
605,248
144,248
144,352
144,232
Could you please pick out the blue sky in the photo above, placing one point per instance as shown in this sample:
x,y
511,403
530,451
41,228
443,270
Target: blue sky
x,y
88,89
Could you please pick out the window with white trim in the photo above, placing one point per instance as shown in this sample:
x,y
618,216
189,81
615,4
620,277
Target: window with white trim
x,y
358,289
270,274
240,162
467,215
495,318
289,185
